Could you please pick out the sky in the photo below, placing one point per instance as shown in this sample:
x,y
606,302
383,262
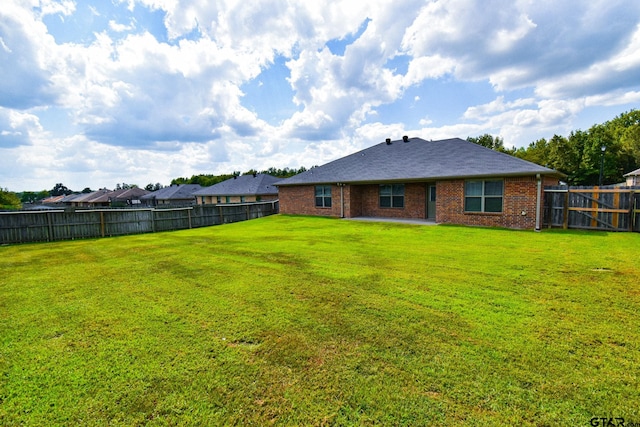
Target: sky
x,y
95,93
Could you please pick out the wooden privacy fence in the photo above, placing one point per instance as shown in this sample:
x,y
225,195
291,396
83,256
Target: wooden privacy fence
x,y
593,208
47,226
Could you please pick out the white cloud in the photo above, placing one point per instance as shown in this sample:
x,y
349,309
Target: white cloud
x,y
614,98
168,109
52,7
120,28
16,128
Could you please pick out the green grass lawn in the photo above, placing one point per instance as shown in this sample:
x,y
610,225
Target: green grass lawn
x,y
312,321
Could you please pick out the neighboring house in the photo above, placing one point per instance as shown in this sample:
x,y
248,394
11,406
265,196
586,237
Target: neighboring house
x,y
121,198
447,181
175,195
106,198
53,201
240,189
84,199
633,178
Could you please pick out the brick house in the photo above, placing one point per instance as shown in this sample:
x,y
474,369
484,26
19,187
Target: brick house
x,y
240,189
446,181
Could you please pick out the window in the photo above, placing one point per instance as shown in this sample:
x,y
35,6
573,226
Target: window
x,y
243,199
323,196
218,199
483,196
227,199
392,195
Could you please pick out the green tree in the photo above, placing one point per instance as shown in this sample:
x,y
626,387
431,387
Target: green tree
x,y
494,143
153,187
60,190
9,201
601,148
625,128
537,152
32,196
581,155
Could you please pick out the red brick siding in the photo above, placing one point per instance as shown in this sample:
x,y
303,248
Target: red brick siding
x,y
363,200
414,202
352,201
518,210
301,200
359,200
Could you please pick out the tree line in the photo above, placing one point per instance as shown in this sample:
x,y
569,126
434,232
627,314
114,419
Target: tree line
x,y
613,146
206,180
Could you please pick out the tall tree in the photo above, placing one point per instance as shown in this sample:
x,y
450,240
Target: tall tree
x,y
153,187
537,152
489,141
60,190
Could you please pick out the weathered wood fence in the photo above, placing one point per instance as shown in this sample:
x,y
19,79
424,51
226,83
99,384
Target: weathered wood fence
x,y
48,226
593,208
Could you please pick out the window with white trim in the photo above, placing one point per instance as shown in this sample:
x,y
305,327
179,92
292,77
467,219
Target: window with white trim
x,y
483,195
392,195
323,196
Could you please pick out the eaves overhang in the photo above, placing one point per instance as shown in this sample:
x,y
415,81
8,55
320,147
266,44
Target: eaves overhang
x,y
550,173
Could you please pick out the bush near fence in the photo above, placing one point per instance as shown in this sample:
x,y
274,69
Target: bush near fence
x,y
52,225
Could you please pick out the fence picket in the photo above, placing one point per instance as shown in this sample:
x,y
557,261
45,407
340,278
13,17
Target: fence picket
x,y
48,226
592,208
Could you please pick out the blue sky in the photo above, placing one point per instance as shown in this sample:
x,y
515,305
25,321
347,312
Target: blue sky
x,y
97,93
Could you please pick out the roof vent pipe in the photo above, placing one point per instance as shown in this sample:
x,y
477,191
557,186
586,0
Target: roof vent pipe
x,y
405,138
388,141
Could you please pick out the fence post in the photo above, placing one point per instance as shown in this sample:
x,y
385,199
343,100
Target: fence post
x,y
634,210
189,215
49,228
102,223
565,211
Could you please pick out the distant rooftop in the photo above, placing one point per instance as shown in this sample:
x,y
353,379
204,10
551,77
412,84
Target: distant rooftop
x,y
243,185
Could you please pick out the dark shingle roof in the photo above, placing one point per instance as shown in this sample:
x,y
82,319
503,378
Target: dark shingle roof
x,y
418,160
89,197
174,192
633,173
244,185
123,194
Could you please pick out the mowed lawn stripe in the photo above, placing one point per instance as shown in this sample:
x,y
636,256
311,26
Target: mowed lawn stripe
x,y
313,321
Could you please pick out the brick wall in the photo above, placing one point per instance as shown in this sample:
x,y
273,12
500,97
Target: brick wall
x,y
359,200
414,202
519,203
301,200
518,210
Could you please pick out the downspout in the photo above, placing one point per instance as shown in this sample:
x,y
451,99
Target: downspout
x,y
538,202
